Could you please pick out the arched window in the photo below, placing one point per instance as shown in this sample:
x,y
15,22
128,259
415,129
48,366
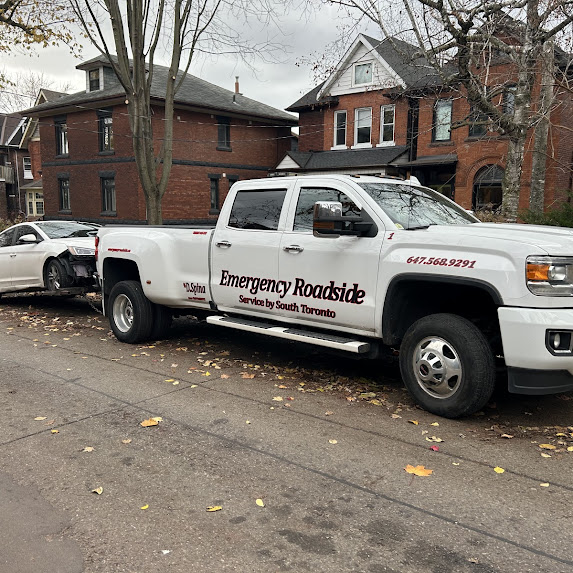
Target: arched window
x,y
487,193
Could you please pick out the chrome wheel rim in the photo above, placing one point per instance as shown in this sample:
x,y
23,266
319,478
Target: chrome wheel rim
x,y
437,367
123,312
54,279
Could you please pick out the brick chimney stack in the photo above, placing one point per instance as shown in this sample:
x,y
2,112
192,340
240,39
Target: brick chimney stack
x,y
237,85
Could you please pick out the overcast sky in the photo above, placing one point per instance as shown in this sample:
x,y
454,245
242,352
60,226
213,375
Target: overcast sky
x,y
278,84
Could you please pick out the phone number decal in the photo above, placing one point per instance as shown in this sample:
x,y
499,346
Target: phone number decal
x,y
436,261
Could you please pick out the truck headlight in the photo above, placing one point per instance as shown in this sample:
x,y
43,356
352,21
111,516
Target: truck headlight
x,y
550,276
82,251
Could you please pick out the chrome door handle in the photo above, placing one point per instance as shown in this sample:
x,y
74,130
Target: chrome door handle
x,y
223,244
293,249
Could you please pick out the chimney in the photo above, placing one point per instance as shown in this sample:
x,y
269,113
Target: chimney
x,y
237,85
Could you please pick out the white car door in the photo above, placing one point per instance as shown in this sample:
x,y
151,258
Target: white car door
x,y
28,260
244,252
6,256
334,280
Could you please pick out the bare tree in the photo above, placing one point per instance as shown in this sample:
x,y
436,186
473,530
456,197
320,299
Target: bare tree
x,y
22,89
140,30
472,38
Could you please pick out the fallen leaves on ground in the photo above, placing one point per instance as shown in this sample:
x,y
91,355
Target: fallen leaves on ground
x,y
247,375
151,422
333,441
40,418
98,490
498,470
547,447
433,439
278,398
88,449
260,502
415,422
418,470
127,441
214,508
146,506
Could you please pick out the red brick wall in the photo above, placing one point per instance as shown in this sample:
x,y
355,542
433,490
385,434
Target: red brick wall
x,y
256,148
311,130
373,99
36,158
473,153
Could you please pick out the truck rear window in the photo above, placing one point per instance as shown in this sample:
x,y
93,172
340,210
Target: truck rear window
x,y
257,209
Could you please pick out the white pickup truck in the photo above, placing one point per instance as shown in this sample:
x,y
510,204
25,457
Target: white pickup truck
x,y
358,264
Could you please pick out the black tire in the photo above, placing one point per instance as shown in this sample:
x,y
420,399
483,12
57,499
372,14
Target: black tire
x,y
56,277
162,318
130,312
447,365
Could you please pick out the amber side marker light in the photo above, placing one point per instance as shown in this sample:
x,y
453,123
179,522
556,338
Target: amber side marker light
x,y
537,272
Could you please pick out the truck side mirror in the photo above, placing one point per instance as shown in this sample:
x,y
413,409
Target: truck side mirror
x,y
328,221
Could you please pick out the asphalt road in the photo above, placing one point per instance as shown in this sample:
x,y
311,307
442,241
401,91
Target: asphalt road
x,y
327,459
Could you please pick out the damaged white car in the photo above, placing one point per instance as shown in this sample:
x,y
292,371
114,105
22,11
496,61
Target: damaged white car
x,y
48,255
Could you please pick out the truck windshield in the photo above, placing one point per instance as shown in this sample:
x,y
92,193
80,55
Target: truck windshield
x,y
412,207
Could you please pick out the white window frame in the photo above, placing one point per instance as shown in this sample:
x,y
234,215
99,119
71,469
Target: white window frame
x,y
100,71
340,145
356,126
357,65
27,171
391,142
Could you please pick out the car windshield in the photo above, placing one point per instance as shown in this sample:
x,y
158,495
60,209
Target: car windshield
x,y
412,207
65,229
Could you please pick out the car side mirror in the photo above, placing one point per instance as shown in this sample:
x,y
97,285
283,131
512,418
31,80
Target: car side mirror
x,y
29,238
328,221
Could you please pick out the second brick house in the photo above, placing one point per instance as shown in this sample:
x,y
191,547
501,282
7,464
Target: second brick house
x,y
88,167
384,110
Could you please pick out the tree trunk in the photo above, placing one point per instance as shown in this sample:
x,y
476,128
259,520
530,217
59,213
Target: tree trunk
x,y
512,178
153,206
539,163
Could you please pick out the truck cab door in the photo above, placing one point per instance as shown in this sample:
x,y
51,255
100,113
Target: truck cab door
x,y
244,251
334,279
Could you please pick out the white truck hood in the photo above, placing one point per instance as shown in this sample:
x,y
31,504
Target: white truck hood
x,y
556,241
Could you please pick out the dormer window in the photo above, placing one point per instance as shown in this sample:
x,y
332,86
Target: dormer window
x,y
362,74
93,80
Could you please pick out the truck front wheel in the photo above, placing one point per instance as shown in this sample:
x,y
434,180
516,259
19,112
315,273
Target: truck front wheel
x,y
131,316
447,365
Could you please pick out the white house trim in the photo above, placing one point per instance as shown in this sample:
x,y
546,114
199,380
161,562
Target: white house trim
x,y
348,62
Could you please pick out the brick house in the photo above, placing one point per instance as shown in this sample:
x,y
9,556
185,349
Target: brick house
x,y
88,166
384,111
15,166
31,191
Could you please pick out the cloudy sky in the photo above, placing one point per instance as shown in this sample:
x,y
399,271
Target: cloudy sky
x,y
278,84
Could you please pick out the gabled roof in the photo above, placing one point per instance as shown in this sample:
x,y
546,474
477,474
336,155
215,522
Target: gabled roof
x,y
194,92
44,95
310,99
401,60
376,157
10,132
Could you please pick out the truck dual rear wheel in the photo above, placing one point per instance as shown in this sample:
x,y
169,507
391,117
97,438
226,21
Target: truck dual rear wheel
x,y
131,312
447,365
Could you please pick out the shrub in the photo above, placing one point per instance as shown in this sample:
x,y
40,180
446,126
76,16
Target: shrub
x,y
560,216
